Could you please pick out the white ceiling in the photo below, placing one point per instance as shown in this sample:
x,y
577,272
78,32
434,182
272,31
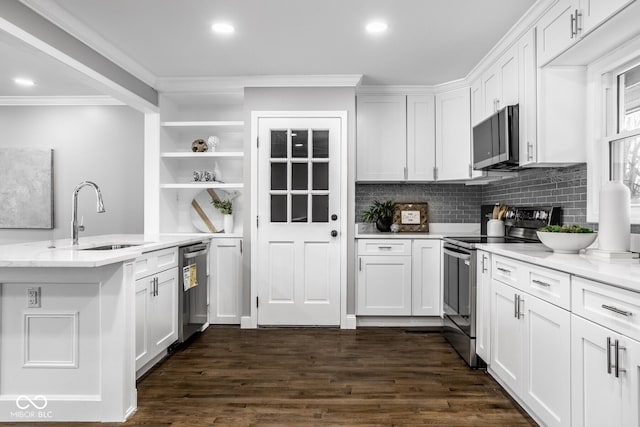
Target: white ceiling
x,y
428,41
52,78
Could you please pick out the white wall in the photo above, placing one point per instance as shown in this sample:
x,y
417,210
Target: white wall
x,y
103,144
300,99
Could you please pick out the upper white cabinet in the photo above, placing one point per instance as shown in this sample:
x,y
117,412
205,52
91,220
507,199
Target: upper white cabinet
x,y
570,20
395,139
381,138
421,152
527,93
453,135
500,83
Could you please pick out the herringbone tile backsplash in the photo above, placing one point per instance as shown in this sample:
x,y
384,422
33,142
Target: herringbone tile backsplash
x,y
564,187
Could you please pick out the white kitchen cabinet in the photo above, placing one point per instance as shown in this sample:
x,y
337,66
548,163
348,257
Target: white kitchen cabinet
x,y
381,137
530,352
421,152
546,375
599,397
156,314
395,138
527,80
500,83
568,21
426,294
477,102
384,285
506,335
225,281
483,306
453,135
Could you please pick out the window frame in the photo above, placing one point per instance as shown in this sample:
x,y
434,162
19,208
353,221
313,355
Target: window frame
x,y
602,120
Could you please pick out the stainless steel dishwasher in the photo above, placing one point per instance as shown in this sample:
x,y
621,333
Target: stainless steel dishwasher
x,y
193,295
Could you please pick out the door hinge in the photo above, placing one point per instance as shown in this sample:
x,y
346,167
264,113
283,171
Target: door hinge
x,y
258,142
241,247
257,220
257,302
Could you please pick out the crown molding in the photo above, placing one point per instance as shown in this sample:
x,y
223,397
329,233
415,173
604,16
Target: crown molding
x,y
226,84
527,21
53,12
58,100
396,90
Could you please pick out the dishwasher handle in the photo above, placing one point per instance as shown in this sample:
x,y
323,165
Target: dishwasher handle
x,y
197,251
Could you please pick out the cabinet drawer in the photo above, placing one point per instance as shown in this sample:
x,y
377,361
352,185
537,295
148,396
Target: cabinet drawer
x,y
614,308
505,270
549,285
156,261
384,247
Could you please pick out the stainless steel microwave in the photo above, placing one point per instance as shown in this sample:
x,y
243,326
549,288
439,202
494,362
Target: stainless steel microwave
x,y
496,140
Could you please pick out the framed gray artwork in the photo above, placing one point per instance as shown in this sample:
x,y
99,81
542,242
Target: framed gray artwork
x,y
26,188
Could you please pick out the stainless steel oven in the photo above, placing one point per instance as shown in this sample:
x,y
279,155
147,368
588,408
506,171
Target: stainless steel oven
x,y
460,300
459,275
193,297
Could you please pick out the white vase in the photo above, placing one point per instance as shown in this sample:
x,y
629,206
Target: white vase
x,y
615,217
228,223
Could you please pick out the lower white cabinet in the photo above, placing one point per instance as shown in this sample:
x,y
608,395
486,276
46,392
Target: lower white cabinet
x,y
225,281
384,285
483,306
426,293
530,352
398,277
156,314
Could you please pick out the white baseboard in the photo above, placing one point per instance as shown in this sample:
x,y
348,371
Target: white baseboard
x,y
245,323
398,321
350,322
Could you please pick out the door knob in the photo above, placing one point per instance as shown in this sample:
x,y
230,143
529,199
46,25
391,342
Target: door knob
x,y
334,233
334,217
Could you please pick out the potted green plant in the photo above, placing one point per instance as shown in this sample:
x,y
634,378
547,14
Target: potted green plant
x,y
226,209
381,213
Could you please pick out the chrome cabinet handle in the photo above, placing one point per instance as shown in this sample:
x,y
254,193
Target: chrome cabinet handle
x,y
538,282
359,264
609,355
484,267
515,306
520,313
504,270
156,285
385,247
617,310
578,16
152,291
617,348
572,22
529,151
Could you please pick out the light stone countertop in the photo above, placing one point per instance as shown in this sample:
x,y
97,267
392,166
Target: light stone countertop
x,y
436,231
60,253
623,274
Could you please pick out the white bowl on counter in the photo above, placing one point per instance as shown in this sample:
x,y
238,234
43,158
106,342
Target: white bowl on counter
x,y
566,243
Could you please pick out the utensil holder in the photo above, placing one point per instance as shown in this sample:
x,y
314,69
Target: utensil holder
x,y
495,228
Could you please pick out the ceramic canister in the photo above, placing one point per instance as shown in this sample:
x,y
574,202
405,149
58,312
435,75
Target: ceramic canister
x,y
495,228
615,212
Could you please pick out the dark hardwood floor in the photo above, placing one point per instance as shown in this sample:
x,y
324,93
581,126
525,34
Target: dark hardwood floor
x,y
320,377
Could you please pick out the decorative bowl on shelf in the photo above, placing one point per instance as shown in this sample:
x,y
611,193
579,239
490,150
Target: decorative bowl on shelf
x,y
566,242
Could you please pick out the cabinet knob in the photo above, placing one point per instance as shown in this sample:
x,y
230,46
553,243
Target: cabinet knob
x,y
334,233
334,217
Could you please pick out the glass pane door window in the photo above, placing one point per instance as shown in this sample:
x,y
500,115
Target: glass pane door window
x,y
299,189
628,84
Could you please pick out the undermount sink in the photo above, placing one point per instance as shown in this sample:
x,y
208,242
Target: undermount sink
x,y
111,247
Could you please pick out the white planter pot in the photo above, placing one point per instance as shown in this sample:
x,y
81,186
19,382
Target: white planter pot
x,y
228,223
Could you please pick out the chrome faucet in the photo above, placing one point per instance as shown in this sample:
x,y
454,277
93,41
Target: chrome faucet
x,y
75,228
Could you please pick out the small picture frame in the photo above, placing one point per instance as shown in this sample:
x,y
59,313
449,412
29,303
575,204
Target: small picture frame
x,y
412,217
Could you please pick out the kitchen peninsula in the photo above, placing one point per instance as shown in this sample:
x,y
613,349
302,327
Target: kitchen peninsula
x,y
69,320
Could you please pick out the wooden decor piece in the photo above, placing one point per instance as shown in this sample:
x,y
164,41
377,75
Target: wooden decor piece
x,y
412,217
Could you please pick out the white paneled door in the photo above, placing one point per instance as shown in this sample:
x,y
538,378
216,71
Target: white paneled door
x,y
298,225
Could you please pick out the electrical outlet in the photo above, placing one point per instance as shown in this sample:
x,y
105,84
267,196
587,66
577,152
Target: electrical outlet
x,y
33,297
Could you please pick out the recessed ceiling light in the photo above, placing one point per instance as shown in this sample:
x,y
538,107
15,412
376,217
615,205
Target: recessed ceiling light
x,y
376,27
222,28
21,81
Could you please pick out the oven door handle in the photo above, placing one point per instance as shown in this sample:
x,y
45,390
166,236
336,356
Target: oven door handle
x,y
466,257
190,255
